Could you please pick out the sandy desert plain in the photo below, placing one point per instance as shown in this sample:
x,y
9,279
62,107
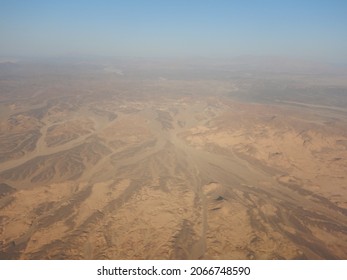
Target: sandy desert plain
x,y
172,160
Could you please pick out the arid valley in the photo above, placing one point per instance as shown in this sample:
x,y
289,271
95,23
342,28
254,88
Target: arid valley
x,y
172,160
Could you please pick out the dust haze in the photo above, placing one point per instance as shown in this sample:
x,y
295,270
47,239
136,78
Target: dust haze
x,y
243,158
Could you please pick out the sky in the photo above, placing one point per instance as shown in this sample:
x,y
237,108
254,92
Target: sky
x,y
158,28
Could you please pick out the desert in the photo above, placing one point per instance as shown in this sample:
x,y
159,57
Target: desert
x,y
171,160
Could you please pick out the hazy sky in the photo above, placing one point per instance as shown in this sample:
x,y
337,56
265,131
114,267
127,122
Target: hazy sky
x,y
303,28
